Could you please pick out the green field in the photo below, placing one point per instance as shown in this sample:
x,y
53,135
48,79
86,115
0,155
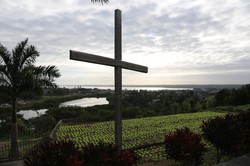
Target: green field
x,y
136,132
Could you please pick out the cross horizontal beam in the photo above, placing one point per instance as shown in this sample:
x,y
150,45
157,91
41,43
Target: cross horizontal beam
x,y
86,57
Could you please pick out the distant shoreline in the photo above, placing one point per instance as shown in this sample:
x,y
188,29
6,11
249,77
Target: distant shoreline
x,y
185,86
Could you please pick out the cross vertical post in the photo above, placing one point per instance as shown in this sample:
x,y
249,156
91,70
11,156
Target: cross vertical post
x,y
118,80
118,64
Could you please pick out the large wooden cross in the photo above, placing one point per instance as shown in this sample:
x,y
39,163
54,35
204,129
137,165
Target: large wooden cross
x,y
118,64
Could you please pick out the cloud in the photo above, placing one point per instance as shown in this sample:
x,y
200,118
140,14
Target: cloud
x,y
180,41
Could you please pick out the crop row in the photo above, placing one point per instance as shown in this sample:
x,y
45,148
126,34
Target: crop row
x,y
135,132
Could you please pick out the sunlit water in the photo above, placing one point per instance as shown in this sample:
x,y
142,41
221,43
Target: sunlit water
x,y
27,114
86,102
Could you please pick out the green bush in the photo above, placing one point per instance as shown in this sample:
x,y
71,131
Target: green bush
x,y
226,134
94,154
184,146
244,119
107,154
65,112
54,153
43,123
65,153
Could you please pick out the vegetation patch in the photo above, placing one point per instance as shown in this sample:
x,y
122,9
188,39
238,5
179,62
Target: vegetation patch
x,y
136,132
185,146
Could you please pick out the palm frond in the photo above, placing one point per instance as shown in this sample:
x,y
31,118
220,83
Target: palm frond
x,y
5,65
29,55
26,79
4,80
100,1
5,56
43,76
52,71
17,70
18,53
46,82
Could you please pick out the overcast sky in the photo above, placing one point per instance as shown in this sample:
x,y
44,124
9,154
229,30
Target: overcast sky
x,y
181,41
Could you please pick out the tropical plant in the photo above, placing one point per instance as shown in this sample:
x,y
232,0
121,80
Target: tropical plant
x,y
227,134
107,154
96,154
54,153
246,124
184,146
121,158
19,75
243,119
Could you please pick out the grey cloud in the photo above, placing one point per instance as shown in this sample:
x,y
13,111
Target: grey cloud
x,y
205,38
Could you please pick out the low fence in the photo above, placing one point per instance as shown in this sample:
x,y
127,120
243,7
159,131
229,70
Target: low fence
x,y
68,121
24,148
52,133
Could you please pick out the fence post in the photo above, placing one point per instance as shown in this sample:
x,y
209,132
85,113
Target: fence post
x,y
25,147
52,134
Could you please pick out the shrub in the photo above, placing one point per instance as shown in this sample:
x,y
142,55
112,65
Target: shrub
x,y
95,154
54,153
225,133
119,158
244,119
64,153
184,146
106,154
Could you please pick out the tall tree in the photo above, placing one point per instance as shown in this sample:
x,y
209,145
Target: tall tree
x,y
18,74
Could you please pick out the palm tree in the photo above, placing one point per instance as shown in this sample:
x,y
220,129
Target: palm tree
x,y
18,74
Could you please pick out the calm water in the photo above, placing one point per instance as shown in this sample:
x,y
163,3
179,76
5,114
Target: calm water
x,y
85,102
88,102
27,114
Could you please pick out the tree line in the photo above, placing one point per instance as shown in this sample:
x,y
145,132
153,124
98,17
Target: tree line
x,y
165,102
136,104
233,97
